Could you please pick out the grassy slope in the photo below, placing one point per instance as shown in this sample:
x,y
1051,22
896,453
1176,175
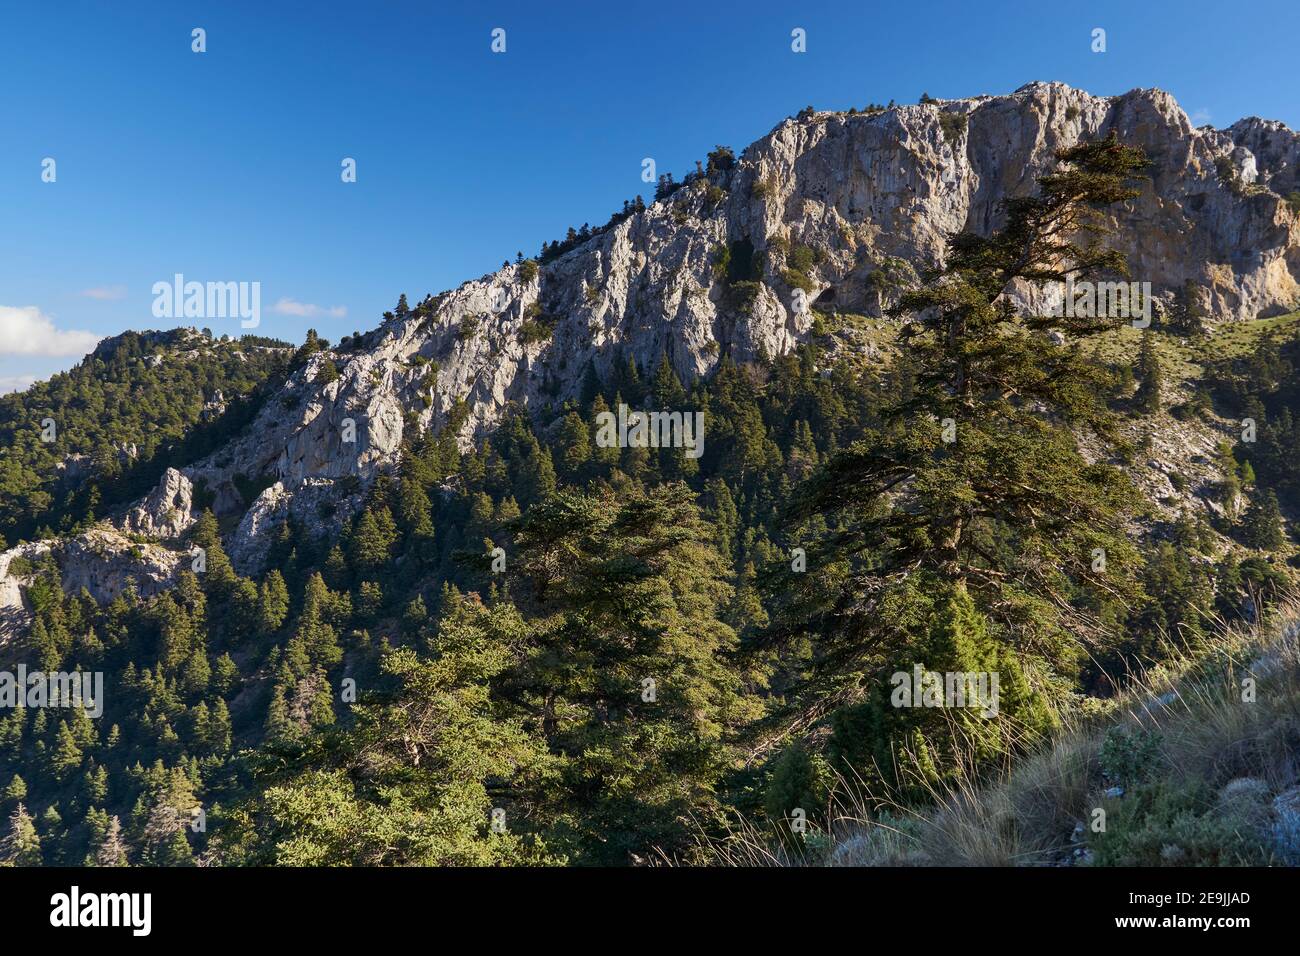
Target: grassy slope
x,y
1185,768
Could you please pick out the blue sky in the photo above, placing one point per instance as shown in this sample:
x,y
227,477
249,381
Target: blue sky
x,y
225,165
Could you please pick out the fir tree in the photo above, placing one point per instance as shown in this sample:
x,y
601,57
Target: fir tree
x,y
1261,526
21,845
1149,376
111,849
273,603
971,483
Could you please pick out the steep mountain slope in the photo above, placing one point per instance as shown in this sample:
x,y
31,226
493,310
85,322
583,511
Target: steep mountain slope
x,y
828,212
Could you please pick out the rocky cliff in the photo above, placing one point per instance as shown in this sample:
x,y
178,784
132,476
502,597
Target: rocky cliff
x,y
834,210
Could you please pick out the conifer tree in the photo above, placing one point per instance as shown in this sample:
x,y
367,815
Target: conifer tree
x,y
417,778
67,755
977,480
629,677
1148,393
21,845
575,447
111,849
373,538
317,636
1261,526
273,602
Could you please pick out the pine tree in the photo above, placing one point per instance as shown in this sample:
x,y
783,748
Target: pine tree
x,y
437,753
604,456
317,636
373,538
277,727
955,733
21,845
111,849
666,388
537,479
225,675
575,447
1149,376
1261,527
67,755
273,603
977,480
219,733
163,839
629,675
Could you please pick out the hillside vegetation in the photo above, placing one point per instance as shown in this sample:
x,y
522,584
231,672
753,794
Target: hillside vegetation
x,y
542,649
1193,764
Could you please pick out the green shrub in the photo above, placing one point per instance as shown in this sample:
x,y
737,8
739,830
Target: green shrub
x,y
741,295
1228,174
1179,824
802,258
528,270
1129,755
536,330
327,373
797,280
800,780
721,263
721,160
468,327
953,126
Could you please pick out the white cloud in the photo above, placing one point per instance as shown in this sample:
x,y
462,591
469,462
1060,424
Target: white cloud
x,y
106,293
305,310
16,383
25,331
1201,117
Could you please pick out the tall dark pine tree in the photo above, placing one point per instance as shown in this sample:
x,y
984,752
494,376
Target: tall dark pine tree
x,y
976,483
1261,527
1148,393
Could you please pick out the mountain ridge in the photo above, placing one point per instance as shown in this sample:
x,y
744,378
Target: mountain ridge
x,y
828,212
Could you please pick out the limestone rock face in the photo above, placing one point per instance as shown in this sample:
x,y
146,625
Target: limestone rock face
x,y
102,560
828,211
168,510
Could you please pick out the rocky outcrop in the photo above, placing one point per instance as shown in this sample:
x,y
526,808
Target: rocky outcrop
x,y
168,510
103,561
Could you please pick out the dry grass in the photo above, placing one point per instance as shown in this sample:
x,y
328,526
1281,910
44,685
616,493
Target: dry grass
x,y
1032,811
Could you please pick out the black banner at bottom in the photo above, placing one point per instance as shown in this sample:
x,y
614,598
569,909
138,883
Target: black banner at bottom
x,y
334,906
